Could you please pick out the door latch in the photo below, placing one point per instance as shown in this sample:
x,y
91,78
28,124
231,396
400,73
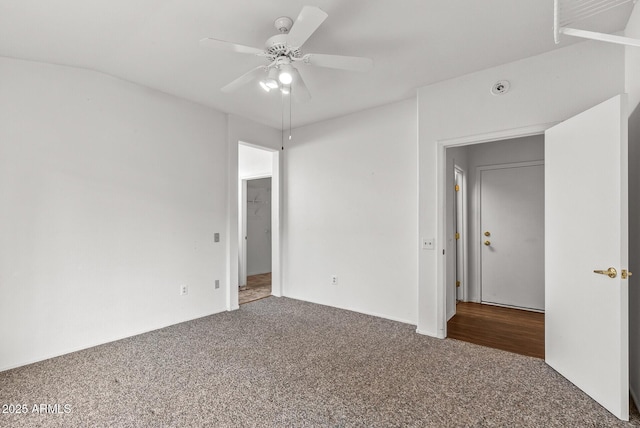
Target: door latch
x,y
611,272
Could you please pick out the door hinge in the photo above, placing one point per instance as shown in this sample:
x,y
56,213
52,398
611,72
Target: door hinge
x,y
457,236
457,283
457,188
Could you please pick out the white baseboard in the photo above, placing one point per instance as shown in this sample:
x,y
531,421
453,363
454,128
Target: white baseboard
x,y
430,334
360,311
450,315
98,343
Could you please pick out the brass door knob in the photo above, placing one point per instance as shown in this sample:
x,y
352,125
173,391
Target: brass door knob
x,y
611,272
487,233
487,243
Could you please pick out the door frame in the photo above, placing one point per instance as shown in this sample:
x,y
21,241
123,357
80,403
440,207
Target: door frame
x,y
442,145
478,221
461,245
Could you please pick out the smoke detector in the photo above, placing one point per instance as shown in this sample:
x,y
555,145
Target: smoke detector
x,y
500,87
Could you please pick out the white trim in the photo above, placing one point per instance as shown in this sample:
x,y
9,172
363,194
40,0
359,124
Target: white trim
x,y
255,176
359,311
441,146
242,233
505,134
431,334
277,208
465,233
500,305
106,341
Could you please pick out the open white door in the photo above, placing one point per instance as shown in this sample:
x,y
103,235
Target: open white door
x,y
586,223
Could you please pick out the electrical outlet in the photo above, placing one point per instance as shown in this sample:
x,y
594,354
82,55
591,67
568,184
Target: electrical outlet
x,y
334,279
428,243
217,284
184,290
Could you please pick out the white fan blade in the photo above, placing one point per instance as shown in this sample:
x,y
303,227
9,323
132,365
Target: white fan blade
x,y
351,63
242,80
228,46
299,90
306,24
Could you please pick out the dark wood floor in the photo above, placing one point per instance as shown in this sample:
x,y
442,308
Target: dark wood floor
x,y
258,287
508,329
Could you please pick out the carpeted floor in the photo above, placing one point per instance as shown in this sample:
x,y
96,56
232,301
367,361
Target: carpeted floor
x,y
279,362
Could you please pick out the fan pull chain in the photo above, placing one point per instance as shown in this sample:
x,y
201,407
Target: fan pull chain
x,y
290,109
282,122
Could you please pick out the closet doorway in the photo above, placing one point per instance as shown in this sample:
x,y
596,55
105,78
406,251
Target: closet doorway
x,y
257,240
256,220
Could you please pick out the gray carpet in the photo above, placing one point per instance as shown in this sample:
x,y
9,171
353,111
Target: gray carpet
x,y
279,362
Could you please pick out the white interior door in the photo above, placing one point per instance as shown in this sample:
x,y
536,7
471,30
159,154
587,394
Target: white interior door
x,y
586,313
512,228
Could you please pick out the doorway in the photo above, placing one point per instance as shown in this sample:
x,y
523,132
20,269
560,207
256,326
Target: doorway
x,y
586,305
504,235
258,223
257,240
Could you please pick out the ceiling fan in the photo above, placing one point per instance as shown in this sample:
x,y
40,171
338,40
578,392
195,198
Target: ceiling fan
x,y
283,53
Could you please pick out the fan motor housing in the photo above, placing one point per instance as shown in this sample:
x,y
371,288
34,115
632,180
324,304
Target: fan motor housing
x,y
277,46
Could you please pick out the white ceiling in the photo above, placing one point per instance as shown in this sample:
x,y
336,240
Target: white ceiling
x,y
155,43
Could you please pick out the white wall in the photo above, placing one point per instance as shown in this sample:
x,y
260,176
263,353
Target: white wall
x,y
253,162
259,226
110,196
632,81
544,89
351,210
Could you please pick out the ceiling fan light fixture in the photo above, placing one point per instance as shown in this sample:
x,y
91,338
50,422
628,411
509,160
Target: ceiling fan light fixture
x,y
271,80
271,83
286,89
264,86
286,74
282,51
